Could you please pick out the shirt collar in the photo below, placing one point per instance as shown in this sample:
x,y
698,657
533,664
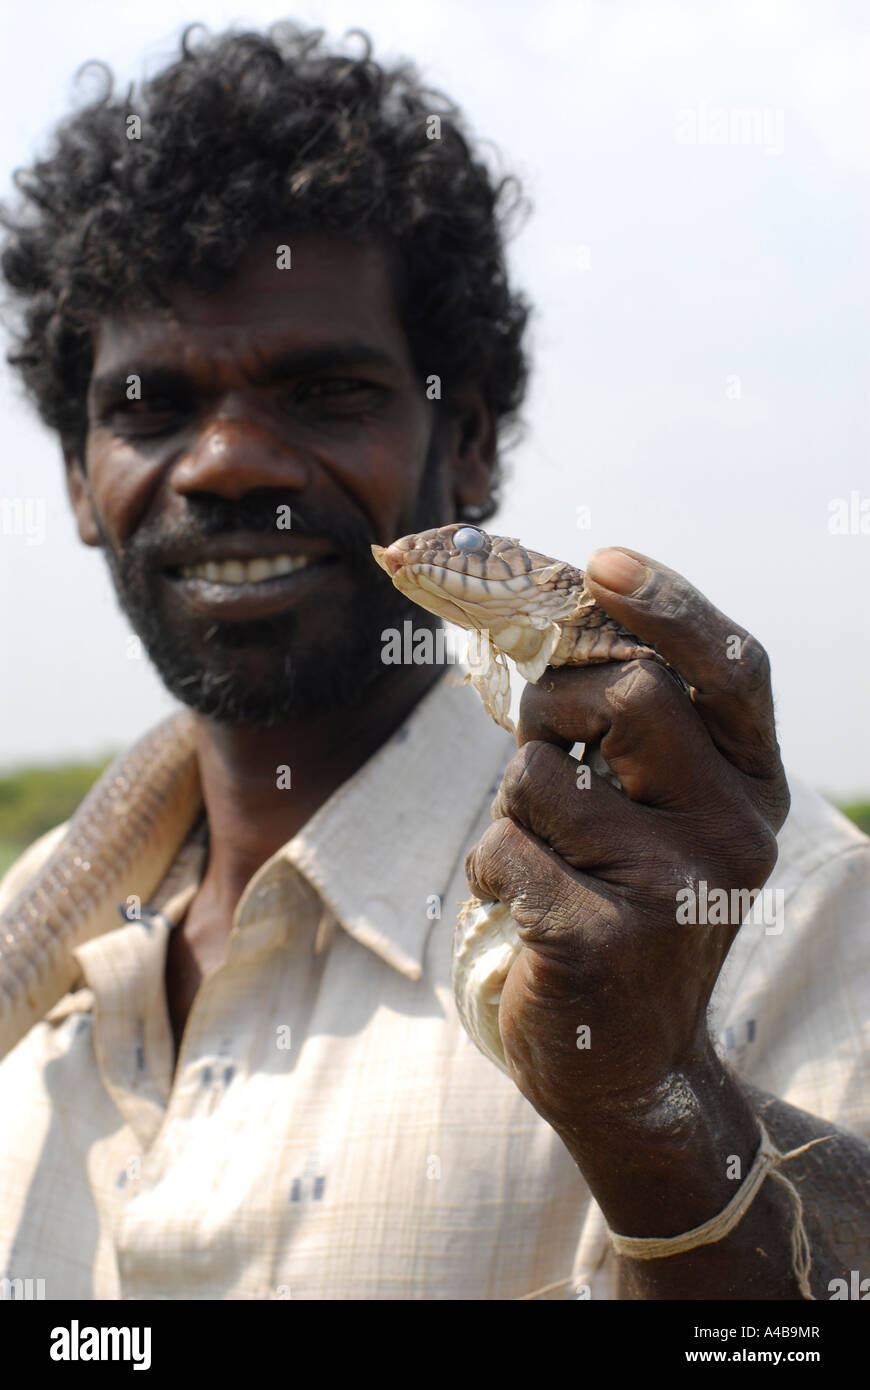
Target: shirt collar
x,y
382,850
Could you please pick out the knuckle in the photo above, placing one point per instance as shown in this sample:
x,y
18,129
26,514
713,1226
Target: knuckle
x,y
750,852
761,850
535,911
645,689
763,855
753,668
533,761
483,859
747,674
555,698
776,804
676,601
554,682
490,842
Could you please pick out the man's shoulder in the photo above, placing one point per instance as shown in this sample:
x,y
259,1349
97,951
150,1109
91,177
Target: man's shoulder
x,y
28,864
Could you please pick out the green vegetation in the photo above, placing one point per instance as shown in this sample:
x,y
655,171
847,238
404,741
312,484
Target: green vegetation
x,y
859,812
35,799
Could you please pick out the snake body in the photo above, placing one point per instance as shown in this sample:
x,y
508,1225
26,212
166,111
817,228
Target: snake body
x,y
127,831
539,612
118,845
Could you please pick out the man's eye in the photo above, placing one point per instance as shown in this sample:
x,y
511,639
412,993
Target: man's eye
x,y
335,383
326,388
150,415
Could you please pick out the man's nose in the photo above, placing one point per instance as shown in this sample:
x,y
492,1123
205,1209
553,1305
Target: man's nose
x,y
234,455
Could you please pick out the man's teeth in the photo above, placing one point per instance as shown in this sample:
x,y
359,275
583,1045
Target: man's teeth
x,y
244,571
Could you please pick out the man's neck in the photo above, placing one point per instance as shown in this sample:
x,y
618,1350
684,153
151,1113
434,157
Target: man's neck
x,y
261,784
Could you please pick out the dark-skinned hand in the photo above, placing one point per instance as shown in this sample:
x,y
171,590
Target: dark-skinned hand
x,y
591,873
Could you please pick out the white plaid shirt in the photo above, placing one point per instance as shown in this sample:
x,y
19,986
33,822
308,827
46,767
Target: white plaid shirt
x,y
329,1131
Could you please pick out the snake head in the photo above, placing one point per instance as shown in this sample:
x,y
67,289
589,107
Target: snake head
x,y
478,581
531,608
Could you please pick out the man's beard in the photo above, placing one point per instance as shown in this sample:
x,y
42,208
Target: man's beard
x,y
334,671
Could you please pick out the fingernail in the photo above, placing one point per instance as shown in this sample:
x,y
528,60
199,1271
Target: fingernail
x,y
615,571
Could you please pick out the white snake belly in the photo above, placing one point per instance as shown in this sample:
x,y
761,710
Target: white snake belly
x,y
486,944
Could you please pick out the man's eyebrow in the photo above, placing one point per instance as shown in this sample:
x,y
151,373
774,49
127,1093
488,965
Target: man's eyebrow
x,y
300,361
111,384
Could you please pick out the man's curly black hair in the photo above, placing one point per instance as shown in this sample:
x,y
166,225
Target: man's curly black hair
x,y
243,133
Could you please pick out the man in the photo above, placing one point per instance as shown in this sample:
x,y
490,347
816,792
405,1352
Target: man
x,y
239,291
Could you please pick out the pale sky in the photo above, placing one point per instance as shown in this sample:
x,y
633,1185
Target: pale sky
x,y
697,259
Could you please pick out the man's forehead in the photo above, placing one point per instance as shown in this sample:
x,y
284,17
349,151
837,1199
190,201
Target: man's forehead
x,y
283,294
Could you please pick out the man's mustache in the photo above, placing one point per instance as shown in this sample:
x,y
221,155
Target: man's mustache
x,y
216,516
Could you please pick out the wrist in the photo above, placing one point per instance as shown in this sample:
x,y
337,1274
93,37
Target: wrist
x,y
672,1158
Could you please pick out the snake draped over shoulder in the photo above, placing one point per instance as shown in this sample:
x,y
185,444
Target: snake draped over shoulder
x,y
118,845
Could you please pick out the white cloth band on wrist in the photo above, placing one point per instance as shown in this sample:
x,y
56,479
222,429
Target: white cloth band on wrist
x,y
767,1160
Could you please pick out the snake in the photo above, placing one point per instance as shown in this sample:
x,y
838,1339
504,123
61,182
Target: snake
x,y
118,845
126,833
537,611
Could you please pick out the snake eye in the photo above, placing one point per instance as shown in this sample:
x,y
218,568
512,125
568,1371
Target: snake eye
x,y
467,539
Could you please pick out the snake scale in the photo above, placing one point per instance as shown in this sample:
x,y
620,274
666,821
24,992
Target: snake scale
x,y
120,842
127,831
539,612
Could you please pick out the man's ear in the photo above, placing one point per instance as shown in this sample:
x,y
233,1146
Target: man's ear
x,y
472,446
80,495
